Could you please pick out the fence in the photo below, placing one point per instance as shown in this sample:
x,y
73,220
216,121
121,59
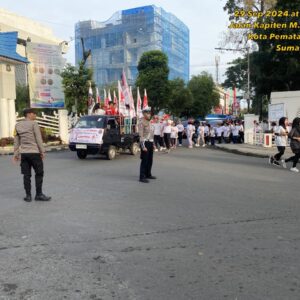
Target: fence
x,y
59,123
46,121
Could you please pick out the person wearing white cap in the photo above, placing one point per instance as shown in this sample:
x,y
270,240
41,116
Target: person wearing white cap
x,y
146,134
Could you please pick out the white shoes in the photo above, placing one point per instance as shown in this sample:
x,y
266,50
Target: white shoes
x,y
156,150
283,163
197,145
295,170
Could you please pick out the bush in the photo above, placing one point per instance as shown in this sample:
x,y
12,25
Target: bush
x,y
6,142
48,136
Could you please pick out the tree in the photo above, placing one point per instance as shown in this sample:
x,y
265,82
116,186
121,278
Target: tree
x,y
76,83
22,98
236,75
153,76
181,98
204,94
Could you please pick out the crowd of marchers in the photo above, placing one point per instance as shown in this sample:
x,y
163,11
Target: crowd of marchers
x,y
168,134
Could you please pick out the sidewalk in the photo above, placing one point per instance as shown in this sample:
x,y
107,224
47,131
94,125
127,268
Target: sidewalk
x,y
49,148
251,150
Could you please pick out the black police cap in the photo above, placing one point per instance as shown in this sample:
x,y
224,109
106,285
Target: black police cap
x,y
28,111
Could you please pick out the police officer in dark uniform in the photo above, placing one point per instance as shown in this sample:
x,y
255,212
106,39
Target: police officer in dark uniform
x,y
29,144
146,134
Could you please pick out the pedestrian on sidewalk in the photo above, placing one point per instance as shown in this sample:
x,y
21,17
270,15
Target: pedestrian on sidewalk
x,y
295,145
281,140
28,144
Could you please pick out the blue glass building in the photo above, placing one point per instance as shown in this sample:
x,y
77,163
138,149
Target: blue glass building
x,y
118,43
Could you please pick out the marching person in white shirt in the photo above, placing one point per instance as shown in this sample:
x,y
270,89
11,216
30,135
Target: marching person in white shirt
x,y
235,133
180,132
219,131
190,130
200,137
167,134
157,127
174,135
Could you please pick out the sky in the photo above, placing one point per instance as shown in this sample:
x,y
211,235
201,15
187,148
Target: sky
x,y
205,18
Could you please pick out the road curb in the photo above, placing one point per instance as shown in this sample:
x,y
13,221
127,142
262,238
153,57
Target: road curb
x,y
48,149
239,152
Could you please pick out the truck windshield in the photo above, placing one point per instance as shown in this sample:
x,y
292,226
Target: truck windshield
x,y
91,122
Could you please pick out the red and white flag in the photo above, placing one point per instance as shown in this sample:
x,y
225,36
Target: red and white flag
x,y
98,96
139,110
116,103
106,100
125,90
145,100
115,98
132,108
122,108
109,96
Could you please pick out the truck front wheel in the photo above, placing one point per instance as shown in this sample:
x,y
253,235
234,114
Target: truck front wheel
x,y
82,154
134,148
111,153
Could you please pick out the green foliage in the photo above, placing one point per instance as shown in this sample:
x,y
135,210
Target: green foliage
x,y
204,94
22,101
153,76
76,83
181,98
237,74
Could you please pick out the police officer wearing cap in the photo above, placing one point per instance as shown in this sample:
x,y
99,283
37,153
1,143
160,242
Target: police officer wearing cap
x,y
146,134
28,144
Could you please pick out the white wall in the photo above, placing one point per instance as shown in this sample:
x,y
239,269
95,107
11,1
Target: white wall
x,y
291,101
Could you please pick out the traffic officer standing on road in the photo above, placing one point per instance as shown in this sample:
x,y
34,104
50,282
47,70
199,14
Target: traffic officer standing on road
x,y
28,142
146,134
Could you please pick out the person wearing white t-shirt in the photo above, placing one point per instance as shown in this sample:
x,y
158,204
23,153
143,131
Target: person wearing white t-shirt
x,y
180,132
212,134
167,134
281,140
174,135
219,131
200,136
190,130
226,133
157,133
235,132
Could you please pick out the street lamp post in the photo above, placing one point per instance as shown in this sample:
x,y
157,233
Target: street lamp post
x,y
248,71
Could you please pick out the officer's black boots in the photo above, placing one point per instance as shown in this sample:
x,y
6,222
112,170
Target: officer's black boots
x,y
28,198
151,177
42,197
144,180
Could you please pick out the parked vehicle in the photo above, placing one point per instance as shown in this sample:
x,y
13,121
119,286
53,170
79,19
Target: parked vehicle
x,y
103,134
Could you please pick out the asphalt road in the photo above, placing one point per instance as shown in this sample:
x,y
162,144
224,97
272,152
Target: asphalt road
x,y
214,225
